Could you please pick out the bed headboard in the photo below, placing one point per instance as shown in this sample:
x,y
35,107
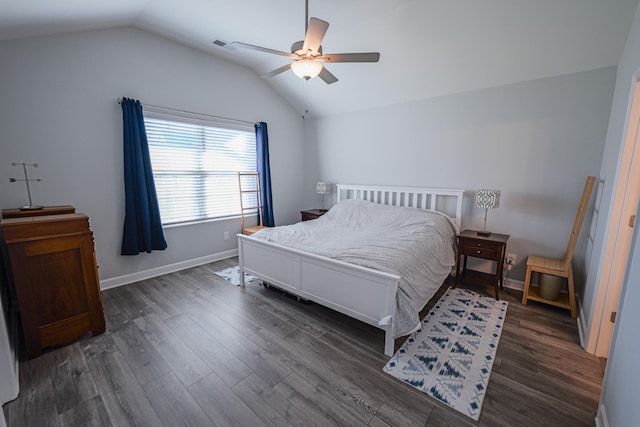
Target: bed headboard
x,y
445,200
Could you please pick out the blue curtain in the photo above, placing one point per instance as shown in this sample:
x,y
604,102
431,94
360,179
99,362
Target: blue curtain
x,y
262,151
142,224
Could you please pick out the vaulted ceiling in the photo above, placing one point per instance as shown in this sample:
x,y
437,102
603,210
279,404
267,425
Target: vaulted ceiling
x,y
428,48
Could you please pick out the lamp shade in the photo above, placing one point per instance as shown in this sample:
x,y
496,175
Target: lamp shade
x,y
323,188
306,68
488,199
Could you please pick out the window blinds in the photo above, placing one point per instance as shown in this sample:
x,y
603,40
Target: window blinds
x,y
195,168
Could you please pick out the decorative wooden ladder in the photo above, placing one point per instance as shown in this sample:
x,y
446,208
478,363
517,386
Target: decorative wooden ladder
x,y
560,267
249,184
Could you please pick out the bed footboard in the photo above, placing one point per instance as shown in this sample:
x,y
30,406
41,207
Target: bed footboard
x,y
359,292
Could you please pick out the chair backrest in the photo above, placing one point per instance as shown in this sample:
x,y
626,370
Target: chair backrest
x,y
249,182
577,223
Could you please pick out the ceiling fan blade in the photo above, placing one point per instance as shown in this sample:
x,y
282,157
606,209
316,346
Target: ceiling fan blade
x,y
327,76
350,57
277,71
315,33
264,49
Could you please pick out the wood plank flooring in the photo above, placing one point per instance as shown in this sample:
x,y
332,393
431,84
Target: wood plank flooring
x,y
190,349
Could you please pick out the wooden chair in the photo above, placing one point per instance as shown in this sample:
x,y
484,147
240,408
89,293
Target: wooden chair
x,y
560,267
248,184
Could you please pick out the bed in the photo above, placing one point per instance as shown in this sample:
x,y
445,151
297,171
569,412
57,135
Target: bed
x,y
382,291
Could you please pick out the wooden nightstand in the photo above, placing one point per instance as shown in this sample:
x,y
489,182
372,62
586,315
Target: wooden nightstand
x,y
312,214
492,247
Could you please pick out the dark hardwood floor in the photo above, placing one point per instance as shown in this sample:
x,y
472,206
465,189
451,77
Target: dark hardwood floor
x,y
190,349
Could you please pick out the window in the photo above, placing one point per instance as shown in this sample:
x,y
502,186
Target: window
x,y
195,164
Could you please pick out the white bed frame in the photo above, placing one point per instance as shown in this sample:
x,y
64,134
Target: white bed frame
x,y
362,293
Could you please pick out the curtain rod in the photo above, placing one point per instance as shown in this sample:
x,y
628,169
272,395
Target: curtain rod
x,y
193,112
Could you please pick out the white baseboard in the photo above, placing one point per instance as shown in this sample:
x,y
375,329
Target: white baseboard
x,y
165,269
601,417
517,285
582,325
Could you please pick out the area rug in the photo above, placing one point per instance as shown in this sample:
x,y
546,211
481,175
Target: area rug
x,y
450,358
232,275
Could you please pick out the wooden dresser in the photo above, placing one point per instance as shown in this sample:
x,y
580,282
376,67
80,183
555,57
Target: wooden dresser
x,y
55,277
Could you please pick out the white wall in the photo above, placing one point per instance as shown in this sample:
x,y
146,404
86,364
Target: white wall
x,y
58,107
618,399
535,141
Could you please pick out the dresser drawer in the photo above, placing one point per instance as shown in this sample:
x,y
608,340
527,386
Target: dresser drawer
x,y
312,214
479,249
306,216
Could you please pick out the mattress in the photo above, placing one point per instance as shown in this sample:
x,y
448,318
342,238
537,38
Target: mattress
x,y
417,245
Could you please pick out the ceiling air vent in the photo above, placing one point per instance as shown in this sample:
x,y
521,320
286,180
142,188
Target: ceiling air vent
x,y
219,42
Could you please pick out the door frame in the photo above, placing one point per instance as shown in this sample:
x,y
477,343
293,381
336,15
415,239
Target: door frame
x,y
626,195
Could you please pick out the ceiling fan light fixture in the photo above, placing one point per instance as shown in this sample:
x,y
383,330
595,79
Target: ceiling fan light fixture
x,y
306,68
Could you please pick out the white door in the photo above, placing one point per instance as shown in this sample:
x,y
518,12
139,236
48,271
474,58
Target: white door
x,y
618,240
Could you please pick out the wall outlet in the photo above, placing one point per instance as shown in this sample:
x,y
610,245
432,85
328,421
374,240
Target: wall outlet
x,y
510,260
226,235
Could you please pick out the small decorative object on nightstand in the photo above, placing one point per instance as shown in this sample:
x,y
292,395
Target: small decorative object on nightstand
x,y
487,199
493,247
312,214
323,188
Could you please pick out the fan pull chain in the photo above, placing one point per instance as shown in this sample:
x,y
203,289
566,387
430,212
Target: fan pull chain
x,y
305,107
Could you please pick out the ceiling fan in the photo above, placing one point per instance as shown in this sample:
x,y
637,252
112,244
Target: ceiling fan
x,y
307,54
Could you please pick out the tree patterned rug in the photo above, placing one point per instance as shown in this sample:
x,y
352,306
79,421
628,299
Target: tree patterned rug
x,y
450,358
232,275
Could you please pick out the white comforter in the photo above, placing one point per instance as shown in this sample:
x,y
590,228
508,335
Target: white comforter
x,y
417,245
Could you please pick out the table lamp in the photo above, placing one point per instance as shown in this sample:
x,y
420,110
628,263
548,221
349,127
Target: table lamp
x,y
487,199
323,188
